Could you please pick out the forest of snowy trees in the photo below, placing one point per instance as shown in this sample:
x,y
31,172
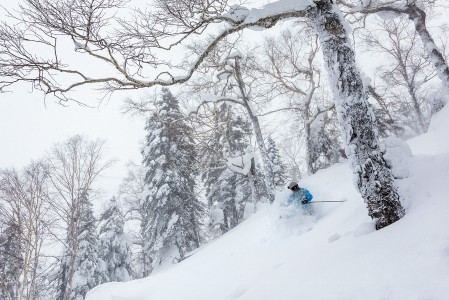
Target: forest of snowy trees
x,y
209,156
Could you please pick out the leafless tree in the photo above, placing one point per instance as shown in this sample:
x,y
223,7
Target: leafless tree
x,y
289,64
234,62
24,197
131,190
131,193
131,53
75,165
415,10
374,179
407,73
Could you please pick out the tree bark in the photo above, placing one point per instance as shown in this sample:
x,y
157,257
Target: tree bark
x,y
418,16
309,146
374,179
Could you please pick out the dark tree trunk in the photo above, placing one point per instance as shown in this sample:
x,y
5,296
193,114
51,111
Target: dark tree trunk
x,y
374,179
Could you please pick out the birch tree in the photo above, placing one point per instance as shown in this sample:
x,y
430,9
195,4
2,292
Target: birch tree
x,y
24,212
75,165
289,62
406,76
415,10
374,179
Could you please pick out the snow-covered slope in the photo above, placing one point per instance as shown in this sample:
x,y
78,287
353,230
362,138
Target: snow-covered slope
x,y
279,254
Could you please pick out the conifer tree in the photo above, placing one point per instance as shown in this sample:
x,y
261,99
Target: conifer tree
x,y
89,271
220,188
114,249
324,141
10,261
171,212
227,191
278,168
238,133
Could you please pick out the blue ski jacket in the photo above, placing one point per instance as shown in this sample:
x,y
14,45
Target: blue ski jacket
x,y
297,196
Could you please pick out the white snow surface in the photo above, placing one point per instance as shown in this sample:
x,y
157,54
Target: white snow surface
x,y
436,140
277,7
237,13
279,254
397,156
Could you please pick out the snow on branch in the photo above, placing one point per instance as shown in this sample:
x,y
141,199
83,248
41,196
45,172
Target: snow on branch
x,y
374,6
211,98
241,164
237,13
128,52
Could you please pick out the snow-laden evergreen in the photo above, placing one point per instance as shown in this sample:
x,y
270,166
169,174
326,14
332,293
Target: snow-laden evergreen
x,y
324,144
115,252
171,212
227,192
88,268
10,261
278,168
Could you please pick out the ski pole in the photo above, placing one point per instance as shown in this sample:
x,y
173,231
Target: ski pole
x,y
324,201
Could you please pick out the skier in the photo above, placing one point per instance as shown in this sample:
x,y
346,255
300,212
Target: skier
x,y
300,197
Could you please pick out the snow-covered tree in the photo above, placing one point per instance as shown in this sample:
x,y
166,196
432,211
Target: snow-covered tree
x,y
11,260
357,122
114,249
227,191
89,269
171,212
219,181
324,140
278,168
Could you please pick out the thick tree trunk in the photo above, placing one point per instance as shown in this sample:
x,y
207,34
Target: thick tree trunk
x,y
418,16
374,179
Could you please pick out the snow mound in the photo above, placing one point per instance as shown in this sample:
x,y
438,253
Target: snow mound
x,y
398,155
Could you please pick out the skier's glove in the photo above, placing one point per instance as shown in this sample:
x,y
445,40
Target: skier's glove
x,y
304,201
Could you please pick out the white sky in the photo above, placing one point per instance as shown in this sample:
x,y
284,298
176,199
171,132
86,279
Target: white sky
x,y
29,128
30,125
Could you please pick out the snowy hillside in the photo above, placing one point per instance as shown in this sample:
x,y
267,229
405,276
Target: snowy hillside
x,y
279,254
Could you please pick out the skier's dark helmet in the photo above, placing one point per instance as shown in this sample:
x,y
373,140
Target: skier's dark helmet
x,y
292,185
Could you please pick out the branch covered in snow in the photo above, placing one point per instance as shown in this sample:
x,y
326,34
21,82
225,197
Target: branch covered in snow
x,y
130,55
240,164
